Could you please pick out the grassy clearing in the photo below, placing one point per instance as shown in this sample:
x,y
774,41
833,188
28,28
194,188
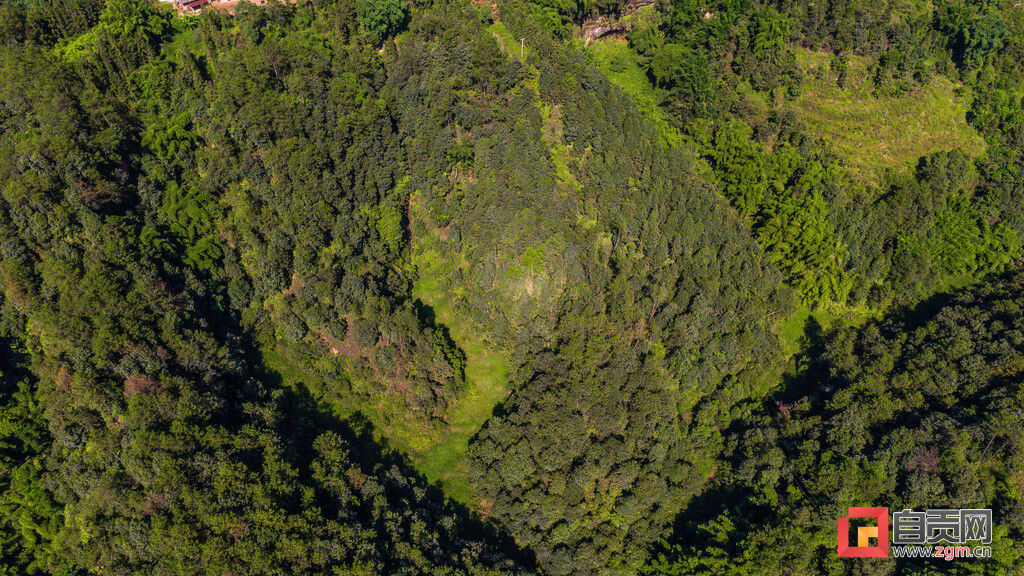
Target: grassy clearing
x,y
553,130
553,135
508,42
792,330
487,379
487,385
619,63
890,133
436,449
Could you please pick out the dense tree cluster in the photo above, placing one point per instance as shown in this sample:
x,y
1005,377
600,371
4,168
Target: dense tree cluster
x,y
701,57
273,173
917,413
192,206
657,332
153,224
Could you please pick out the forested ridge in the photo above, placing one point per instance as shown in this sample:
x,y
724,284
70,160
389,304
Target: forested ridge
x,y
437,287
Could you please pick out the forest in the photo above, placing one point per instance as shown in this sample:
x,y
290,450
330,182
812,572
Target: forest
x,y
404,287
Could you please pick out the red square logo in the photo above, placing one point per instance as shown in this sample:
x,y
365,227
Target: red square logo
x,y
862,549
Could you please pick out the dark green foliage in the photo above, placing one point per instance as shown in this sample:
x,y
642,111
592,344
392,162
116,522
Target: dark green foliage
x,y
836,238
185,202
612,424
913,413
555,16
143,242
44,22
978,39
686,72
381,18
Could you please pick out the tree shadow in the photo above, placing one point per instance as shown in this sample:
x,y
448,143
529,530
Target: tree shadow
x,y
461,535
708,505
802,377
425,312
812,377
407,491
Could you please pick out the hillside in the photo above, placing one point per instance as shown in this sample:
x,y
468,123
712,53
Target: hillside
x,y
875,132
438,287
902,413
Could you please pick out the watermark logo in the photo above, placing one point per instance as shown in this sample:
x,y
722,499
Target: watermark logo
x,y
879,533
933,533
942,525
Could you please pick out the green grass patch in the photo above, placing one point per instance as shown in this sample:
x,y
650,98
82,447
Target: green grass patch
x,y
424,442
487,379
561,153
508,42
437,449
614,57
792,330
874,134
552,132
